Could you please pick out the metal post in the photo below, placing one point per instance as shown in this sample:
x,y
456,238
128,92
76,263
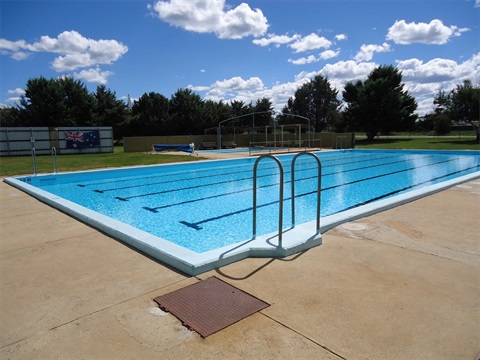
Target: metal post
x,y
54,160
319,186
34,154
280,215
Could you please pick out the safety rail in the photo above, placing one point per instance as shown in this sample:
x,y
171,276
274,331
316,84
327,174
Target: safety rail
x,y
34,161
280,216
319,186
54,160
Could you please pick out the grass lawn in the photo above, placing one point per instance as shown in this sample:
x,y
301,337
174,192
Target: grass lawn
x,y
18,165
431,143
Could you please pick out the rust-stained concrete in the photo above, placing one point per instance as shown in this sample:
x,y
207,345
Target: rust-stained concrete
x,y
402,284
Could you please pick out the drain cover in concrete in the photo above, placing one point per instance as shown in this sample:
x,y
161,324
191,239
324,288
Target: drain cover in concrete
x,y
209,306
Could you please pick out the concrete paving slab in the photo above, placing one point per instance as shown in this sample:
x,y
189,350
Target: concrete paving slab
x,y
137,329
368,300
45,286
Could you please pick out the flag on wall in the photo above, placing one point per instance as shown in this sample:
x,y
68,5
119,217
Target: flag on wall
x,y
82,140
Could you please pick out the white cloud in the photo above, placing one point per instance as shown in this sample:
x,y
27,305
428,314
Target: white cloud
x,y
423,80
213,16
93,75
341,37
276,40
477,3
366,51
16,91
325,55
303,60
310,42
434,32
76,51
238,84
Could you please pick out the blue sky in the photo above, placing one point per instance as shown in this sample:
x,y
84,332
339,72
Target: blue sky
x,y
242,50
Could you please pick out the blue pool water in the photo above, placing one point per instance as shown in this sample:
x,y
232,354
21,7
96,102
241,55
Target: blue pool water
x,y
207,205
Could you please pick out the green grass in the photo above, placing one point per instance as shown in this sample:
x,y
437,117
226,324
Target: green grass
x,y
431,143
19,165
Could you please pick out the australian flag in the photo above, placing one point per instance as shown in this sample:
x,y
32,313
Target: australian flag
x,y
82,140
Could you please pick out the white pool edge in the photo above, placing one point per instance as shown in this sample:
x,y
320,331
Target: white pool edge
x,y
298,239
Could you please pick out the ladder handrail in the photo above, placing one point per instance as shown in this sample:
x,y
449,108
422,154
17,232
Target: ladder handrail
x,y
319,186
54,160
34,161
280,216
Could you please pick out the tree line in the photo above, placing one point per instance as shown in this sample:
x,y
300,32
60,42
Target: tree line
x,y
378,105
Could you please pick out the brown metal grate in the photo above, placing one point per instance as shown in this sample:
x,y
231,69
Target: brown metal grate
x,y
209,306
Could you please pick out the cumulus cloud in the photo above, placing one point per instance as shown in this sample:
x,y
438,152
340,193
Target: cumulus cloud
x,y
325,55
212,16
439,70
276,40
310,42
341,37
304,60
366,51
13,99
434,32
239,84
93,75
423,80
16,91
76,51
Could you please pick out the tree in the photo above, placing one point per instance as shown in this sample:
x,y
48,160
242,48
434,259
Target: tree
x,y
461,104
214,112
263,112
55,102
150,116
186,110
380,104
9,116
108,111
443,102
465,102
315,100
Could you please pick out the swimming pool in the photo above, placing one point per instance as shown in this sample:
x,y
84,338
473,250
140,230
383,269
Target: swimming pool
x,y
198,216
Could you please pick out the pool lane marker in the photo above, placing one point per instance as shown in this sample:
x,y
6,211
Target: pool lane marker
x,y
126,198
182,175
409,187
197,227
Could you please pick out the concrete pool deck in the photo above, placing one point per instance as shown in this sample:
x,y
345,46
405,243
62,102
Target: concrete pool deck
x,y
401,284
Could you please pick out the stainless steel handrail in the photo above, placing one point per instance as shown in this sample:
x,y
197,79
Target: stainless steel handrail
x,y
280,216
54,160
34,161
319,186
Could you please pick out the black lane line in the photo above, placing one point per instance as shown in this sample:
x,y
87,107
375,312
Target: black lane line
x,y
195,225
185,188
249,177
333,159
408,187
155,209
266,168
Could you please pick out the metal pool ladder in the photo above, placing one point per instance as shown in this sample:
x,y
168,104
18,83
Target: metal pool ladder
x,y
280,216
54,160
